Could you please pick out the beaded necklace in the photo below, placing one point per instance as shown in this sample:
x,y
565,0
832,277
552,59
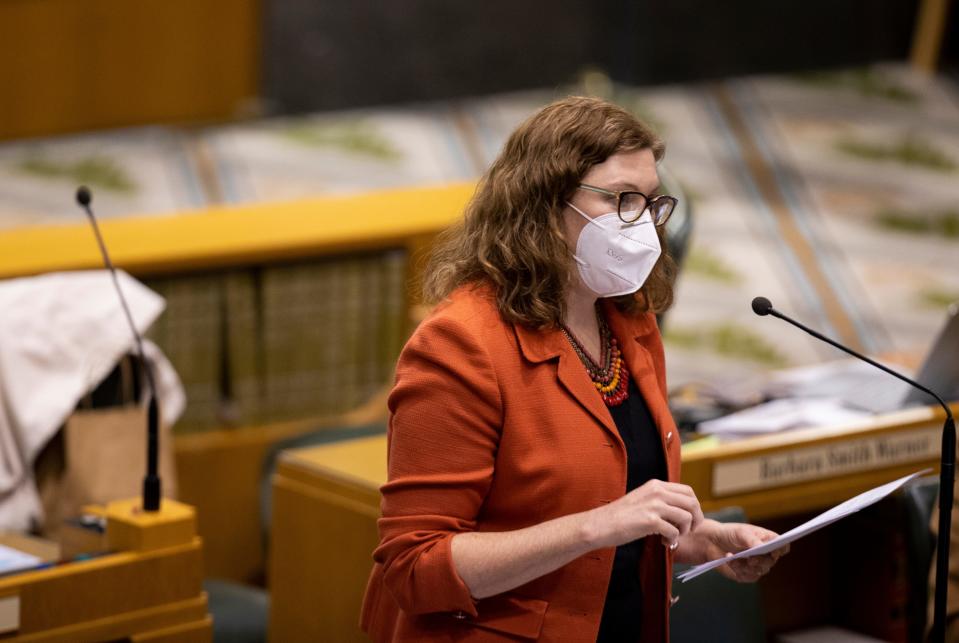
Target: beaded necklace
x,y
610,377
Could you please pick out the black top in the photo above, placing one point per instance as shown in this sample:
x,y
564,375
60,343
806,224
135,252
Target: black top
x,y
644,461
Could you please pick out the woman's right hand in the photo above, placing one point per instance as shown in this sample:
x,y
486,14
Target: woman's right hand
x,y
668,509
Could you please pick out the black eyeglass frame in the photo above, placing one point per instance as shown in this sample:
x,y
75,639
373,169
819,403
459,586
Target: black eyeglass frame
x,y
647,200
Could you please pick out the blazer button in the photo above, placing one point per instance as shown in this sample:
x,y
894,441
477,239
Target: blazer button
x,y
460,615
669,437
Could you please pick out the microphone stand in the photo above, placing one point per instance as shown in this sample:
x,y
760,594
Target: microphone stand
x,y
151,482
947,471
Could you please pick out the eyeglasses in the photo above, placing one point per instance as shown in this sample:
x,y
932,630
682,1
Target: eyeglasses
x,y
631,204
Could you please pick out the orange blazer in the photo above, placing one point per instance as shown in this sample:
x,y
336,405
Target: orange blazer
x,y
496,427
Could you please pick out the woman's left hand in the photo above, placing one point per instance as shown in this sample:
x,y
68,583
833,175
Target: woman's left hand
x,y
733,537
714,540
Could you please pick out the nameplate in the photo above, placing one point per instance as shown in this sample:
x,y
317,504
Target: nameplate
x,y
788,467
9,614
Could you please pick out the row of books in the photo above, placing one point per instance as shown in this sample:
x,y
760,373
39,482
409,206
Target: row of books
x,y
269,343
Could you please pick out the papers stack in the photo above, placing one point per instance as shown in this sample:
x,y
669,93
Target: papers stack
x,y
838,512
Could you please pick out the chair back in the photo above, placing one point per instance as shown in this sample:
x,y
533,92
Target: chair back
x,y
919,497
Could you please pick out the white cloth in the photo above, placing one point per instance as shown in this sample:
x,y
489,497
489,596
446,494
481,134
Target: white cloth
x,y
60,335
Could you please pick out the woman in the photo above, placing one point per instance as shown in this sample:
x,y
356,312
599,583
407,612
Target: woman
x,y
533,464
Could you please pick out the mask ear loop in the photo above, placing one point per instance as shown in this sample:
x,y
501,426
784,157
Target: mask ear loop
x,y
582,214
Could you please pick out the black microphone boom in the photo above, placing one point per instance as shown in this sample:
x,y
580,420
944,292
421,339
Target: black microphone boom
x,y
947,471
151,482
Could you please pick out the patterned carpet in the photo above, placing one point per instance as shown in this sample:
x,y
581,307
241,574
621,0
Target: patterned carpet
x,y
835,195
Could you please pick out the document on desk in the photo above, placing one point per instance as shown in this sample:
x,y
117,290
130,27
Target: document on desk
x,y
14,560
838,512
781,415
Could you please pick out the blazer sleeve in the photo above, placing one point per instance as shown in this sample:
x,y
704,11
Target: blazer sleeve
x,y
446,416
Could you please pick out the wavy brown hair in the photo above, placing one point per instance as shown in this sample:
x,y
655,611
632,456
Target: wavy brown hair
x,y
511,235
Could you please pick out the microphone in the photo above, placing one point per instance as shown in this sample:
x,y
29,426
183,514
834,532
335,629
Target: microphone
x,y
762,307
151,482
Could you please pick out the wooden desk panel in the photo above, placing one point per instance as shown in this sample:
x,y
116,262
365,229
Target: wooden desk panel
x,y
325,505
153,594
69,65
809,469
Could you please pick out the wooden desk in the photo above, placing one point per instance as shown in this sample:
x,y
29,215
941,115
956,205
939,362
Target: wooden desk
x,y
150,590
803,470
326,502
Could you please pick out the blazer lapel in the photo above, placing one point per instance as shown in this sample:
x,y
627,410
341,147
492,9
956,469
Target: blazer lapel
x,y
632,335
544,345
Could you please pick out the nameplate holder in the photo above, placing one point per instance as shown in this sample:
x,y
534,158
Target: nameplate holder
x,y
833,459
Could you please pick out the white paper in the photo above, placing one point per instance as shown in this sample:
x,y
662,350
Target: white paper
x,y
69,331
13,560
838,512
780,415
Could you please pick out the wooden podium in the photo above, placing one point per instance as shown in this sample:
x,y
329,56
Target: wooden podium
x,y
148,588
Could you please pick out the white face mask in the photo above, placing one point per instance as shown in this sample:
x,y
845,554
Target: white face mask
x,y
615,258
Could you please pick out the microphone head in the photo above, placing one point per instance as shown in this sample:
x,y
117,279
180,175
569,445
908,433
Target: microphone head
x,y
84,197
762,306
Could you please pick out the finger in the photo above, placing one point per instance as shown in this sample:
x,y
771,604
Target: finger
x,y
762,565
689,503
770,558
750,536
678,487
670,488
744,573
766,561
677,492
667,530
761,562
739,536
672,493
678,517
738,573
698,516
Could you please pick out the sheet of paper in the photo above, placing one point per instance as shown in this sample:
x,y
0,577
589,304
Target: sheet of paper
x,y
828,517
780,415
12,560
828,379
